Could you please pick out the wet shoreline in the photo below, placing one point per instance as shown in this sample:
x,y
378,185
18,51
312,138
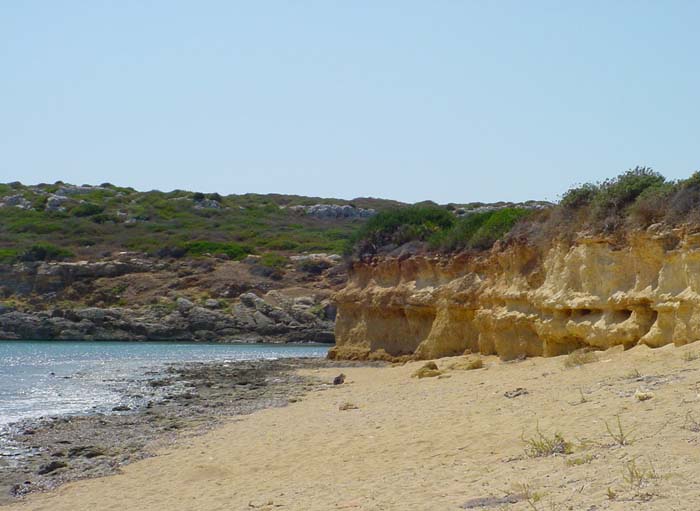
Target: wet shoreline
x,y
182,400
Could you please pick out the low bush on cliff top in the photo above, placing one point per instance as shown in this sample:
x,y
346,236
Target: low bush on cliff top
x,y
399,226
438,227
479,230
634,199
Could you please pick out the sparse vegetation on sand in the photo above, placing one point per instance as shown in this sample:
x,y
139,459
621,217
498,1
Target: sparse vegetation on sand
x,y
540,445
621,435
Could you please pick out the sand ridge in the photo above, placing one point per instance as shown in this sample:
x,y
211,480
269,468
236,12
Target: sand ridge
x,y
438,443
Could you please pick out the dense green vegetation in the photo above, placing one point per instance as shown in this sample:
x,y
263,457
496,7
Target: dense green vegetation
x,y
399,226
438,227
480,230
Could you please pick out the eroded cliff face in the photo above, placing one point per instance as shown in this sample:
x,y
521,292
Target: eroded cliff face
x,y
519,300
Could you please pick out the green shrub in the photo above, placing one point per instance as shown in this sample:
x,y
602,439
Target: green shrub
x,y
579,196
45,252
684,204
281,244
39,202
233,250
103,218
87,209
399,226
273,260
8,255
614,195
651,205
479,230
496,226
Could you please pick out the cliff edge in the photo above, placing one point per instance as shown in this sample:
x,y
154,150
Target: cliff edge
x,y
518,299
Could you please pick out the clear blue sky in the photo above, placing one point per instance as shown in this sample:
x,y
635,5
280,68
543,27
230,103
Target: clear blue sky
x,y
442,100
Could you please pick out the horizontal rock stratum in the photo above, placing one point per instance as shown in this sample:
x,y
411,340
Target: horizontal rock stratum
x,y
523,300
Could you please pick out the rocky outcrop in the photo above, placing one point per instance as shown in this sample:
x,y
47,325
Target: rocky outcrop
x,y
333,211
47,277
134,298
521,300
17,201
253,319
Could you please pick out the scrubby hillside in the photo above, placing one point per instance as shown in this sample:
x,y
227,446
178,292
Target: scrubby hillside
x,y
105,262
61,221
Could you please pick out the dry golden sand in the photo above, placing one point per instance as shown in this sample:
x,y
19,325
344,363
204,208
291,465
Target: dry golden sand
x,y
436,443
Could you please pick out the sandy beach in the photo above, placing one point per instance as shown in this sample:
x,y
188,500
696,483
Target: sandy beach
x,y
384,440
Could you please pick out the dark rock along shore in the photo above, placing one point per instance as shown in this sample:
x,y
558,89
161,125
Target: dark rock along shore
x,y
188,399
135,299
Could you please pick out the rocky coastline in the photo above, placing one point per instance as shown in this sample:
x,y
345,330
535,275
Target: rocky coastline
x,y
252,320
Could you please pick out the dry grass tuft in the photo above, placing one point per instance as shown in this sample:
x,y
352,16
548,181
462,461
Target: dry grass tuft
x,y
582,460
636,476
541,445
621,436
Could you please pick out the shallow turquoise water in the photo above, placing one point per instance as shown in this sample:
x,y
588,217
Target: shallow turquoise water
x,y
50,378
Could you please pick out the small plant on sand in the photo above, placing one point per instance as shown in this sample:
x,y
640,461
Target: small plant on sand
x,y
527,494
634,374
583,398
612,494
690,356
636,476
690,423
619,434
582,460
580,357
541,445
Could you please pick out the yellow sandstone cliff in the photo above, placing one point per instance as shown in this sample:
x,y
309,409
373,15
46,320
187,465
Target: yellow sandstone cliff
x,y
519,300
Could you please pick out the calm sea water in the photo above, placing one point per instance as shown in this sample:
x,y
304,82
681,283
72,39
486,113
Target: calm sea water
x,y
51,378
